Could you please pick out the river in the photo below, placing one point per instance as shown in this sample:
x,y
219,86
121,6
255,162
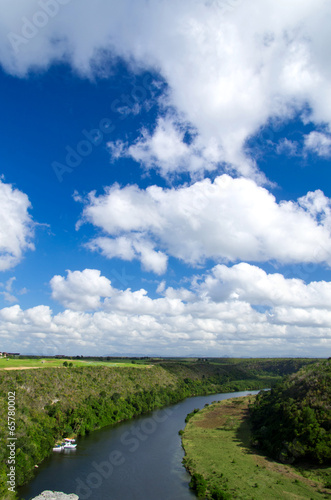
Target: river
x,y
135,460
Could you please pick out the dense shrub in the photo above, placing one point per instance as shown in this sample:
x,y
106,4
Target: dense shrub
x,y
198,484
218,494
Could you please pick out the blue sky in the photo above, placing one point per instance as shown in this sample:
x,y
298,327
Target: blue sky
x,y
165,179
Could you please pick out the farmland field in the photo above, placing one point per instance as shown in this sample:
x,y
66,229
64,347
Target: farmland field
x,y
23,364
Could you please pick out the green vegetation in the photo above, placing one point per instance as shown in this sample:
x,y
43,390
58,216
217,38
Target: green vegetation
x,y
292,422
190,415
233,374
18,363
63,401
223,465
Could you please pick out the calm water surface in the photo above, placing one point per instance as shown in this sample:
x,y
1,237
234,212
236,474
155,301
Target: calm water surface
x,y
135,460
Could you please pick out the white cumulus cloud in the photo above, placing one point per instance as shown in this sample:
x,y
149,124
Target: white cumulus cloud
x,y
252,284
215,315
16,226
81,290
166,150
131,247
225,220
318,143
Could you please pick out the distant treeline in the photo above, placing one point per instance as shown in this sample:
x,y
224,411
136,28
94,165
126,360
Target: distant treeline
x,y
53,403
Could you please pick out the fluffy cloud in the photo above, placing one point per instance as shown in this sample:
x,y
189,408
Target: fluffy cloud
x,y
226,76
251,284
225,220
216,315
318,205
166,150
16,226
131,247
318,143
81,290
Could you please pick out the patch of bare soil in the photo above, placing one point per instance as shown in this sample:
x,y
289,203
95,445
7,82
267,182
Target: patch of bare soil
x,y
222,413
21,368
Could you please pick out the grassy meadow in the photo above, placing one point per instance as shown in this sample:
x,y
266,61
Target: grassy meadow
x,y
25,363
217,445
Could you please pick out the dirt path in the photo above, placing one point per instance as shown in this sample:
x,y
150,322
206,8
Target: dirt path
x,y
21,368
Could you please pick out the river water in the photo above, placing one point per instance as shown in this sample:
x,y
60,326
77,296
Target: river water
x,y
135,460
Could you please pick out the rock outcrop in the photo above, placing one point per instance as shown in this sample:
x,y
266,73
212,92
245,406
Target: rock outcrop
x,y
55,495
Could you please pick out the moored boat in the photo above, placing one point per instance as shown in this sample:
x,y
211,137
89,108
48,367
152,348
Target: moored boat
x,y
69,444
58,447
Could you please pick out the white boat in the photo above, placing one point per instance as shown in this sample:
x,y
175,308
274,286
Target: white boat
x,y
58,447
69,444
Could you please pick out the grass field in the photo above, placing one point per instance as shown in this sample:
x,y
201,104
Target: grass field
x,y
217,445
14,363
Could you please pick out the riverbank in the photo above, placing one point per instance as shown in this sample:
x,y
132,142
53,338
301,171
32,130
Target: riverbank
x,y
220,459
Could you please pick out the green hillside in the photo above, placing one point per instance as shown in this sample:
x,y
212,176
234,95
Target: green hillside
x,y
292,422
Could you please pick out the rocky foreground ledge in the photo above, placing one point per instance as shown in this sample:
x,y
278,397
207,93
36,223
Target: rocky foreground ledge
x,y
55,495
